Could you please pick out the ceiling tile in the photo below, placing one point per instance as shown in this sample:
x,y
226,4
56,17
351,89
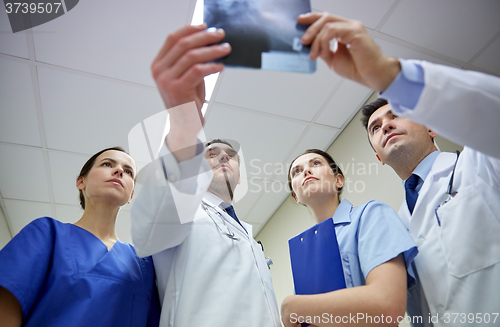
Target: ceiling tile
x,y
316,138
13,44
399,51
489,59
293,95
5,236
23,175
245,204
118,38
346,101
21,213
455,28
371,14
273,196
263,139
18,117
64,168
84,114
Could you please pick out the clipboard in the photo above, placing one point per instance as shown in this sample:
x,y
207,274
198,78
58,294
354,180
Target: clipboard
x,y
316,261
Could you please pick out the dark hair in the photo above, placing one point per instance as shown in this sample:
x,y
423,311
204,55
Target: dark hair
x,y
333,165
217,140
368,109
226,142
88,166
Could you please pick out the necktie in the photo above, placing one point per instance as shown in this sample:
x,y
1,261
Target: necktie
x,y
411,194
230,211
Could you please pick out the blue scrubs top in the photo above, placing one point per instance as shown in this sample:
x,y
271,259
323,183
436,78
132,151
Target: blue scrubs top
x,y
63,275
368,236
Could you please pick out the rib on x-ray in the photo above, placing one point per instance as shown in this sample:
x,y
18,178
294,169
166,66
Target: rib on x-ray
x,y
254,27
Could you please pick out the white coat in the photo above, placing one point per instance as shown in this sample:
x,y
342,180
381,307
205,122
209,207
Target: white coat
x,y
458,264
204,277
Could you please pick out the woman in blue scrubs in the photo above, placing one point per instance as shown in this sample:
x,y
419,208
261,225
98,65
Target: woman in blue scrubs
x,y
375,247
56,274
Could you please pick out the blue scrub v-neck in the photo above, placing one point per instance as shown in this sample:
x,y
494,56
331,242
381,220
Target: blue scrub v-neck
x,y
64,275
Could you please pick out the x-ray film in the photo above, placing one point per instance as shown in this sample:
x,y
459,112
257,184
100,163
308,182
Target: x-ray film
x,y
263,34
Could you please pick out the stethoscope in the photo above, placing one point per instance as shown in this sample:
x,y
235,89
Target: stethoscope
x,y
448,196
229,233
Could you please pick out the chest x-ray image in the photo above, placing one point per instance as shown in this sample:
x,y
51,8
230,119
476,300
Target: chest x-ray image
x,y
263,34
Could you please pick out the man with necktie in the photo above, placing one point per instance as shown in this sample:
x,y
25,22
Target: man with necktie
x,y
451,207
210,270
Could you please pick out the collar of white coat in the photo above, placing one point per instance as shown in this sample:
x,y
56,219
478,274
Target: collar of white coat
x,y
424,167
214,201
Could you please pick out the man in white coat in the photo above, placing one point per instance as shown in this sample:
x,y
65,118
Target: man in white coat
x,y
455,218
210,270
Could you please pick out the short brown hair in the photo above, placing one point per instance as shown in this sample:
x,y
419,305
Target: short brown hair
x,y
368,109
88,166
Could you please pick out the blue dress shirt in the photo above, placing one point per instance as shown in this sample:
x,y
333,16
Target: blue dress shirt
x,y
404,92
423,168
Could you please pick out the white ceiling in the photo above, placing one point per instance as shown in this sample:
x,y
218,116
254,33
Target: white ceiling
x,y
81,82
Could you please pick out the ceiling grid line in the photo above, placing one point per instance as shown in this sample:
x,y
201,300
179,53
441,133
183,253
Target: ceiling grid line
x,y
482,50
211,101
327,100
43,136
271,115
77,72
5,213
415,47
388,14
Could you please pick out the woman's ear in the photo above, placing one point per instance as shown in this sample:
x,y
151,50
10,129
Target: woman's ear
x,y
339,181
131,196
80,183
295,198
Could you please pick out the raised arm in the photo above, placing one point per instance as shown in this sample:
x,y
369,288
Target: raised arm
x,y
463,106
172,186
179,70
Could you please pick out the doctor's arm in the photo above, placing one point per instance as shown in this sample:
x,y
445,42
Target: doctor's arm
x,y
173,185
10,309
460,105
384,294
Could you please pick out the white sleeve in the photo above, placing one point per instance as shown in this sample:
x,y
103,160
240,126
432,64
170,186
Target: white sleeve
x,y
462,106
169,196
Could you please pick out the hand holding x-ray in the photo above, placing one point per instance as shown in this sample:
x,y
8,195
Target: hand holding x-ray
x,y
263,34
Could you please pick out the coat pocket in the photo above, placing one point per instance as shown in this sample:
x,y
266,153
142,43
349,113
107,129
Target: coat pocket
x,y
469,233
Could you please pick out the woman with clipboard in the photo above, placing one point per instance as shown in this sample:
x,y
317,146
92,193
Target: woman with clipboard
x,y
376,252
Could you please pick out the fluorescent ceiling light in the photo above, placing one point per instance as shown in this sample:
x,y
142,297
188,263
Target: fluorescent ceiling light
x,y
211,79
